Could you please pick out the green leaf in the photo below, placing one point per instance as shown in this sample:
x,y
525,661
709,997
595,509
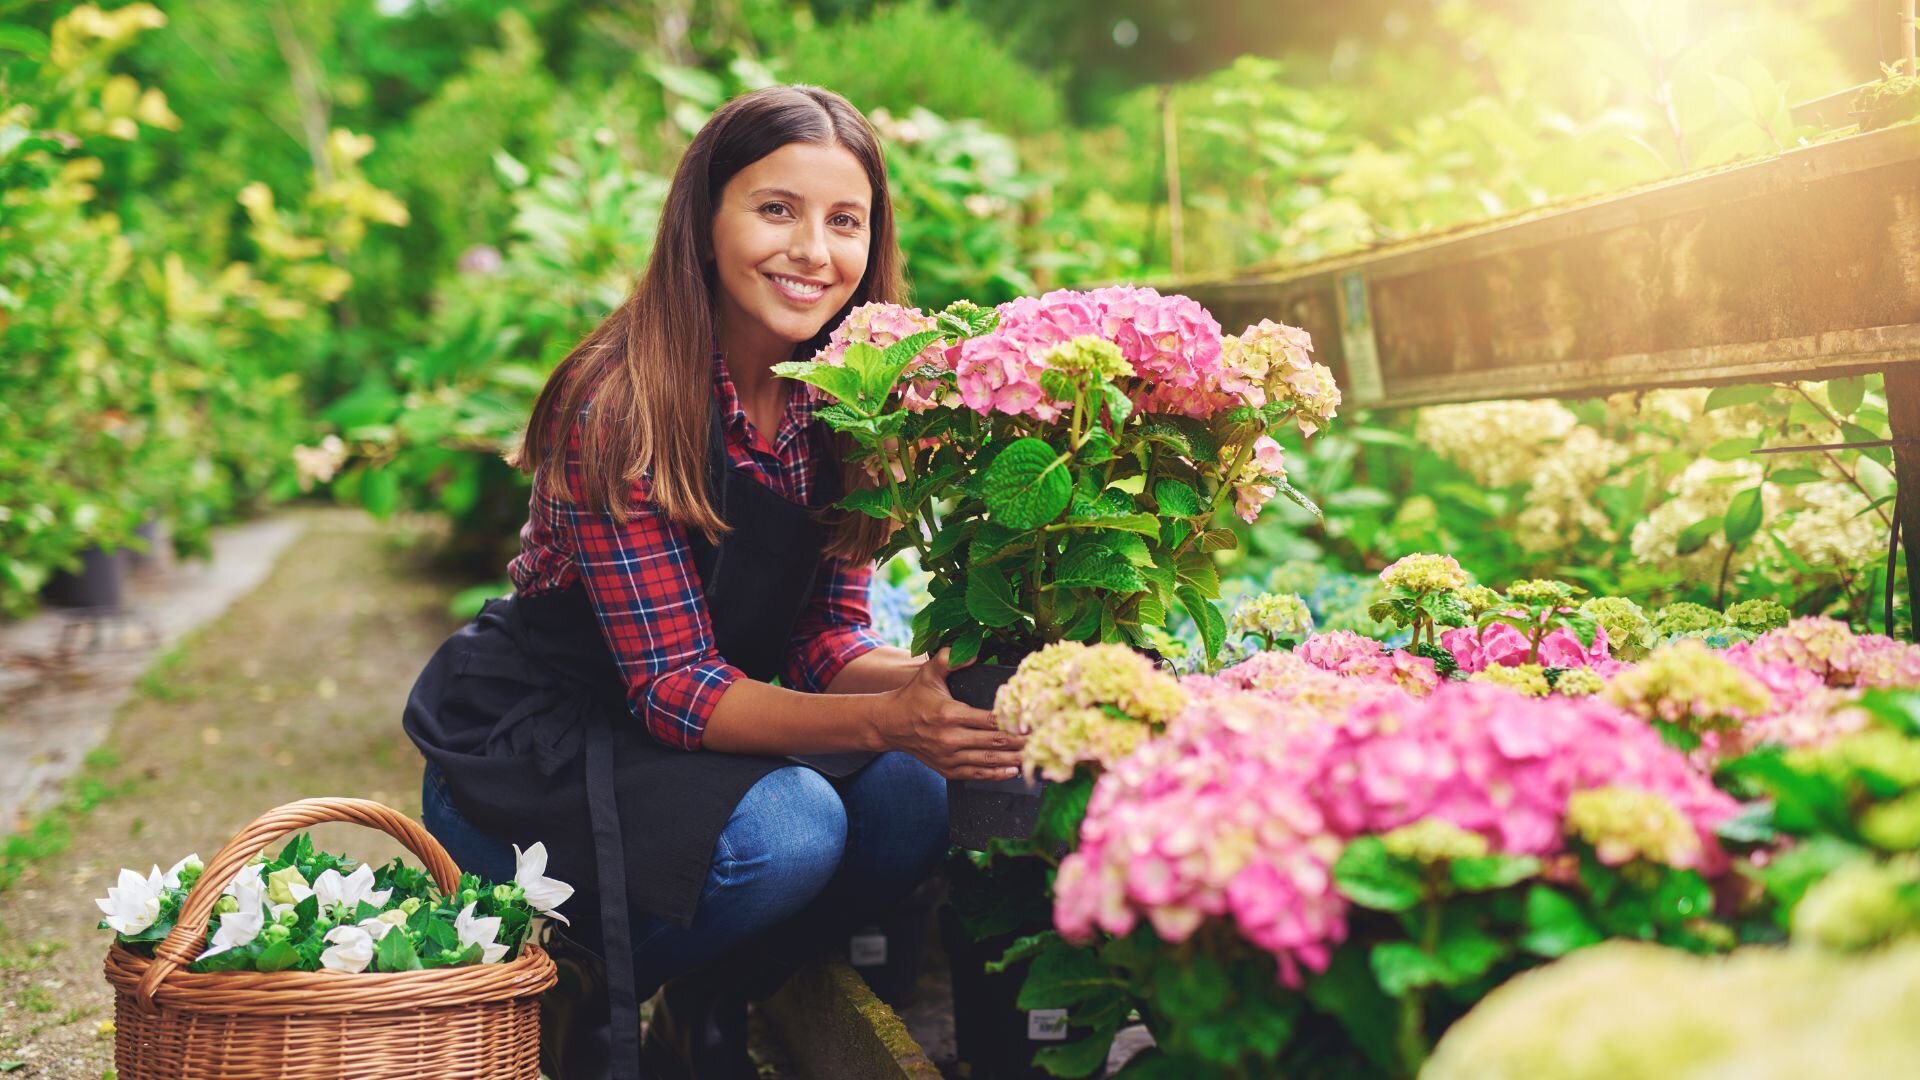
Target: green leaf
x,y
1857,434
873,502
1695,536
1219,540
1744,515
1099,568
1098,449
1401,966
840,383
1845,395
1027,485
1797,475
24,40
1198,569
1176,498
1063,807
1082,1057
1191,991
1726,397
1555,924
1733,449
1205,615
380,491
1062,976
279,956
1466,953
1028,946
1486,872
966,648
1119,405
1349,993
990,599
395,953
1367,875
903,351
1143,524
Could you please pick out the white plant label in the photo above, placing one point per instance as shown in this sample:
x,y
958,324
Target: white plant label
x,y
1047,1025
867,950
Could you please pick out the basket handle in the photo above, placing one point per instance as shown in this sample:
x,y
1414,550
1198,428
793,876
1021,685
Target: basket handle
x,y
184,943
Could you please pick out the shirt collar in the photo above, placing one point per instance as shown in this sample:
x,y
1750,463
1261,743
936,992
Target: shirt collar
x,y
800,405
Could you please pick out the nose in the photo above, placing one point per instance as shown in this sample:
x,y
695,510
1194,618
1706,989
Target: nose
x,y
808,243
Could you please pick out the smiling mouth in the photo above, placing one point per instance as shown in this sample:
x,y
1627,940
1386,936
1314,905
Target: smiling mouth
x,y
796,289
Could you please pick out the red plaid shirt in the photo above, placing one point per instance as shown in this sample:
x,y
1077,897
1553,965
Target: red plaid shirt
x,y
643,584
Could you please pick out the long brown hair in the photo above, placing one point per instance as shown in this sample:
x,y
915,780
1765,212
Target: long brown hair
x,y
648,367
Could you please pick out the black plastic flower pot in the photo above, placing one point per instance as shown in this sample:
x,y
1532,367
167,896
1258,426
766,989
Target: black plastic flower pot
x,y
101,581
890,954
979,810
991,1033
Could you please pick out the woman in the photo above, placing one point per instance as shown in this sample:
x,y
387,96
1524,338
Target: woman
x,y
619,706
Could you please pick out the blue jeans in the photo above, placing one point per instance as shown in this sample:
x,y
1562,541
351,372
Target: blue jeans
x,y
797,843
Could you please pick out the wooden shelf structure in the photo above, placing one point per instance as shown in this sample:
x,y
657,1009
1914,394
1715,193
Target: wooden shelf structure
x,y
1801,266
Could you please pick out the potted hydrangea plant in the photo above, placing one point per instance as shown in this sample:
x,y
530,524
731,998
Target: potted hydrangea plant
x,y
1057,463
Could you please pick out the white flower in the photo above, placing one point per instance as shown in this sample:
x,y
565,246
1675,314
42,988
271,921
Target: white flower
x,y
331,889
543,892
240,926
191,862
134,904
380,924
482,932
350,949
286,886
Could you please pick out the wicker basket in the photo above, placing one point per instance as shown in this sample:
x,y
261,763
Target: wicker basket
x,y
475,1021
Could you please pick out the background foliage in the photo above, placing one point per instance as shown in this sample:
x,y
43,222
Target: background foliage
x,y
234,227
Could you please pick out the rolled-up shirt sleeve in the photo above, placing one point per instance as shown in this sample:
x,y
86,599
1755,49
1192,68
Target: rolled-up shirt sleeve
x,y
834,627
653,612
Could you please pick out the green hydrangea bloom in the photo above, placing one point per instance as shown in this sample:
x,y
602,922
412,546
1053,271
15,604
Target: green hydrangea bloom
x,y
1432,840
1629,631
1541,590
1862,904
1691,686
1090,355
1273,616
1758,616
1686,616
1627,1010
1529,679
1478,600
1578,682
1624,824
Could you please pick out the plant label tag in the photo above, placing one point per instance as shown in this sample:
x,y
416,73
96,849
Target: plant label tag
x,y
1047,1025
867,950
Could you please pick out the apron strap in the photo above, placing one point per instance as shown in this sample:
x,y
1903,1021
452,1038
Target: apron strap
x,y
616,932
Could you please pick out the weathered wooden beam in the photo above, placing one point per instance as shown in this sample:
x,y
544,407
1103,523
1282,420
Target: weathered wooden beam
x,y
1804,265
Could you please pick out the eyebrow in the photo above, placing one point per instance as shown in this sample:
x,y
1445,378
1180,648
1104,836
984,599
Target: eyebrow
x,y
797,197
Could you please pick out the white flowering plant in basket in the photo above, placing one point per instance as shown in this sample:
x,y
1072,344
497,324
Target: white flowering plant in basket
x,y
310,910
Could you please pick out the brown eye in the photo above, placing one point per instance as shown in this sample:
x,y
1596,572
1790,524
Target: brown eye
x,y
846,221
771,207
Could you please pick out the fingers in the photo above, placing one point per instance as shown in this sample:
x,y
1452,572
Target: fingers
x,y
937,666
984,759
967,716
974,772
971,738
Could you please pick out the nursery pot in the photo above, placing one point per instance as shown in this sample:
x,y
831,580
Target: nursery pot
x,y
991,1033
101,581
979,810
159,547
889,954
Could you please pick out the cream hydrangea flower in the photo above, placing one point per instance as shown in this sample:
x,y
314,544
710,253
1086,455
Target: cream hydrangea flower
x,y
1273,617
1624,824
1687,684
1423,573
1091,703
1433,840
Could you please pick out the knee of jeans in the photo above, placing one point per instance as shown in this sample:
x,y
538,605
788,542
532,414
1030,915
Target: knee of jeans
x,y
789,830
919,797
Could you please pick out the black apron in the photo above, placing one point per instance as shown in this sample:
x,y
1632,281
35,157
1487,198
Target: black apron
x,y
525,711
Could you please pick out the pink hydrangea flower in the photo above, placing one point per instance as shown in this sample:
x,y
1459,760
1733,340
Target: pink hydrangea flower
x,y
1504,645
1360,657
881,325
1171,342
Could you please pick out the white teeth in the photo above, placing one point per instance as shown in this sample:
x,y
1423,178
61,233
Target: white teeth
x,y
797,286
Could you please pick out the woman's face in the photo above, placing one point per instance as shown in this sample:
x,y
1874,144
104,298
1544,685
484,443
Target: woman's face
x,y
790,238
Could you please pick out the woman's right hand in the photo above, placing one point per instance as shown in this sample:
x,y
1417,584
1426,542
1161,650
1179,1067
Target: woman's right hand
x,y
954,739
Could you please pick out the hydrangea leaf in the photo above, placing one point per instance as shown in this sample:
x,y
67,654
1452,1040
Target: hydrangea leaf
x,y
1555,924
1176,498
1744,515
1098,567
1064,975
842,384
1027,485
1485,872
1367,875
990,599
873,502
